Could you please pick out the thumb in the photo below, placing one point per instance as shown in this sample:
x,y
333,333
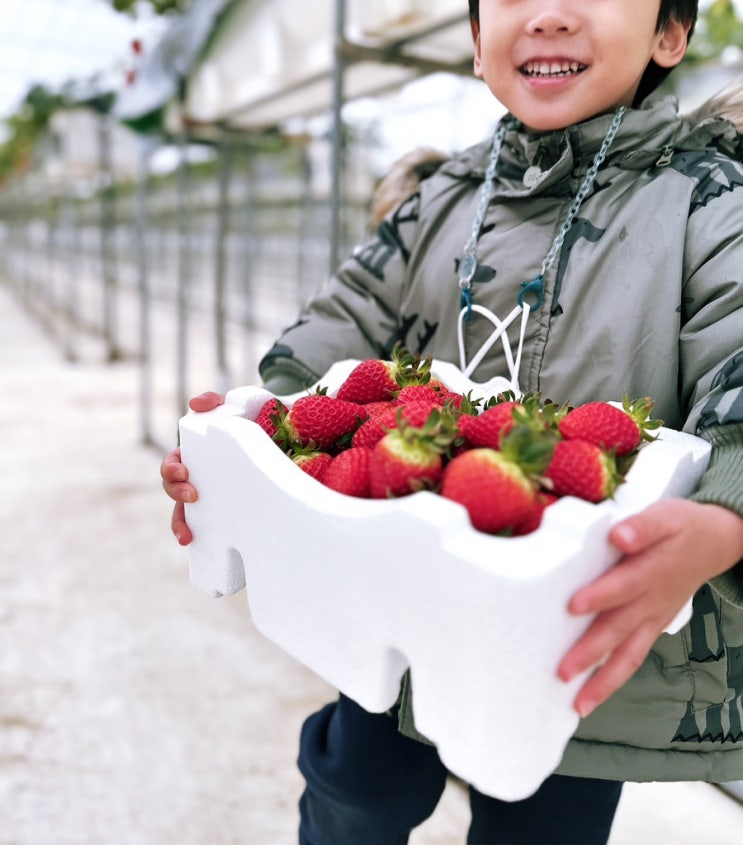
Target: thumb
x,y
641,531
205,402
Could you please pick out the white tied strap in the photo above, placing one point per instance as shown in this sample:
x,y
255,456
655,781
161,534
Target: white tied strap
x,y
501,327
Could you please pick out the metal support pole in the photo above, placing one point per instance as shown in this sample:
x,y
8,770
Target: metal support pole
x,y
28,292
336,191
184,278
108,269
141,228
250,246
72,307
305,272
48,263
220,270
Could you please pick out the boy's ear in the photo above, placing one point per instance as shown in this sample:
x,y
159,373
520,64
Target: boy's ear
x,y
672,44
475,27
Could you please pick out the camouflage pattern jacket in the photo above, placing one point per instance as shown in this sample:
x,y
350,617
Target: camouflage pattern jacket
x,y
646,298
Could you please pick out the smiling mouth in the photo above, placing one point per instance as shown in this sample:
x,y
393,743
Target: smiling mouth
x,y
552,70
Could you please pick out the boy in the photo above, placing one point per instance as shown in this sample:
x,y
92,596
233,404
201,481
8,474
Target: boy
x,y
615,228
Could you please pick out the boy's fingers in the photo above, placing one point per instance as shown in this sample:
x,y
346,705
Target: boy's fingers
x,y
178,524
206,402
180,491
605,634
175,478
620,585
171,468
620,666
644,529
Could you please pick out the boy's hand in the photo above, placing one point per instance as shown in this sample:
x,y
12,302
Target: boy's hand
x,y
670,550
175,475
177,486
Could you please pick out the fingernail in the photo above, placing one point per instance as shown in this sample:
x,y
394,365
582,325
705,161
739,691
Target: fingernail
x,y
578,607
566,674
585,708
626,534
178,536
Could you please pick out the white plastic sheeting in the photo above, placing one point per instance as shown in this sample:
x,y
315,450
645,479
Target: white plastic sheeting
x,y
273,60
268,60
164,69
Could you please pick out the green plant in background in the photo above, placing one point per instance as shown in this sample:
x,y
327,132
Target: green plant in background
x,y
161,7
25,128
30,124
718,28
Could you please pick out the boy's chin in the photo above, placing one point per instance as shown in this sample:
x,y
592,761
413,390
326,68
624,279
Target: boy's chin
x,y
537,127
540,119
546,122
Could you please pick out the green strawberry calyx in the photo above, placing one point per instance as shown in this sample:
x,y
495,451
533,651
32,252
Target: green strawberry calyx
x,y
639,411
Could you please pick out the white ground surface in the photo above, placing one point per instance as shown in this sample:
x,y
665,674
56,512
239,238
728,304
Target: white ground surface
x,y
133,709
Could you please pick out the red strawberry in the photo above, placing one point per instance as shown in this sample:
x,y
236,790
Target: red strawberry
x,y
533,519
374,409
375,380
496,492
269,414
418,413
582,469
502,413
313,463
420,393
486,429
409,459
618,430
348,472
374,429
452,397
370,381
319,421
369,433
456,400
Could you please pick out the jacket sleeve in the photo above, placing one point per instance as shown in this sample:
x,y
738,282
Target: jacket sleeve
x,y
711,342
722,485
711,335
356,314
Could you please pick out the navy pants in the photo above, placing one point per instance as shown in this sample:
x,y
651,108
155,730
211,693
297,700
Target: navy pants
x,y
368,784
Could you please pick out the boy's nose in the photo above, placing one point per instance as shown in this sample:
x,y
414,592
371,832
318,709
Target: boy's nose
x,y
552,19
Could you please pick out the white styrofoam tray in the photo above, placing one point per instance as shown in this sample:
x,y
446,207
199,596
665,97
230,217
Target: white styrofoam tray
x,y
361,590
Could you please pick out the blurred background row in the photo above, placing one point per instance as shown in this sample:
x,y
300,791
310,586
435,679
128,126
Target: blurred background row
x,y
177,178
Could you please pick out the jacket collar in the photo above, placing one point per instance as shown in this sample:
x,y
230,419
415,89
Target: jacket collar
x,y
645,135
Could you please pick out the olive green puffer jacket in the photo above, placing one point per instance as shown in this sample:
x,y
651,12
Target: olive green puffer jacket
x,y
646,298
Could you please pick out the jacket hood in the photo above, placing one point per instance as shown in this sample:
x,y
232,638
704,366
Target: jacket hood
x,y
726,105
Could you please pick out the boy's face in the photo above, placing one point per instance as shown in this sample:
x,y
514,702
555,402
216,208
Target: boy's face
x,y
553,63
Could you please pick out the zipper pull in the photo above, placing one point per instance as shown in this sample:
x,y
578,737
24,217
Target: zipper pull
x,y
665,156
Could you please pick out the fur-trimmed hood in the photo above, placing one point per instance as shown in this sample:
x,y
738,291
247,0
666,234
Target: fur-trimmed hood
x,y
726,104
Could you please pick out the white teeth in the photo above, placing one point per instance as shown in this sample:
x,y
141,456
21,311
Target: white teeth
x,y
554,68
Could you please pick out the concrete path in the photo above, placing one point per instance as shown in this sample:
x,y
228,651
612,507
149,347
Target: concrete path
x,y
133,709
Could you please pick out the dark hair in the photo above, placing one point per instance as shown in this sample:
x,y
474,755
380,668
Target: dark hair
x,y
684,11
